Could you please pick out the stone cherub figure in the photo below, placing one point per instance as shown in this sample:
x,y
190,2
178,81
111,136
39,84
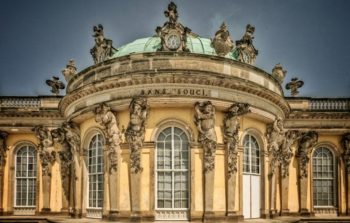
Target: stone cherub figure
x,y
46,152
205,121
106,118
135,132
231,129
222,42
306,142
245,48
103,48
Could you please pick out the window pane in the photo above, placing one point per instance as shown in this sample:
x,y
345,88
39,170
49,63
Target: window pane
x,y
95,167
25,176
323,177
172,169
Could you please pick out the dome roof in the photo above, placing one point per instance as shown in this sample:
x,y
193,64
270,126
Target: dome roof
x,y
151,44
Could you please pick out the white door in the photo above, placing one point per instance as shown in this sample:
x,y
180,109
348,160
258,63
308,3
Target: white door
x,y
251,178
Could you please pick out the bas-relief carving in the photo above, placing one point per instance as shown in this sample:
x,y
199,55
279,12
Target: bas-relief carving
x,y
135,132
222,42
173,35
306,142
55,84
290,138
275,134
279,73
280,142
103,48
70,70
3,148
231,129
205,121
46,152
345,141
107,119
245,48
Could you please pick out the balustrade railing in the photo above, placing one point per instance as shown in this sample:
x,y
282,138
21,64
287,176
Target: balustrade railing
x,y
329,104
20,102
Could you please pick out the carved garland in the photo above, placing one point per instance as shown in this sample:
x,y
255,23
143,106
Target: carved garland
x,y
135,132
231,129
106,118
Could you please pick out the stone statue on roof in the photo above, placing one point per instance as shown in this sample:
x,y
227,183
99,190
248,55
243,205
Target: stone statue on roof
x,y
222,42
103,48
245,48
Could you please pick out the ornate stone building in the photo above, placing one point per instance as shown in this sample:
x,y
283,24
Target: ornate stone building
x,y
174,127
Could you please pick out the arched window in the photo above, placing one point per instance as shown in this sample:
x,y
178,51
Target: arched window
x,y
172,174
251,177
95,169
323,168
26,171
251,160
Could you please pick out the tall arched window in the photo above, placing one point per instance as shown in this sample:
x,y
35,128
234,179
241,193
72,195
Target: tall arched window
x,y
251,177
172,174
95,168
251,161
26,173
323,168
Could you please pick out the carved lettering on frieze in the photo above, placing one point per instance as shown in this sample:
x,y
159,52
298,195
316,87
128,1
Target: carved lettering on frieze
x,y
176,91
205,121
107,119
231,129
135,132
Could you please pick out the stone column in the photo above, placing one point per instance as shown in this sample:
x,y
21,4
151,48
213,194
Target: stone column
x,y
135,135
46,190
272,193
205,121
3,150
1,185
306,143
107,119
284,194
231,130
345,141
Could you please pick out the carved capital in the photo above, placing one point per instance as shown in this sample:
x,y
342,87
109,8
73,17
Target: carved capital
x,y
205,121
305,144
135,132
107,119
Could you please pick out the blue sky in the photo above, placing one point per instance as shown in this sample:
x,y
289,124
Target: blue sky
x,y
309,38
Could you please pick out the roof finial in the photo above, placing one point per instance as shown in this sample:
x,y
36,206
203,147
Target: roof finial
x,y
293,86
55,84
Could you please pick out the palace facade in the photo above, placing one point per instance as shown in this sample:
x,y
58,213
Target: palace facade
x,y
174,127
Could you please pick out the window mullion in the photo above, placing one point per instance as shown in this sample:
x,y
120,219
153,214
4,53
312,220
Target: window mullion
x,y
172,168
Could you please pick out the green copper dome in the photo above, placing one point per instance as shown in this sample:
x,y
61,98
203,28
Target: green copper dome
x,y
152,44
